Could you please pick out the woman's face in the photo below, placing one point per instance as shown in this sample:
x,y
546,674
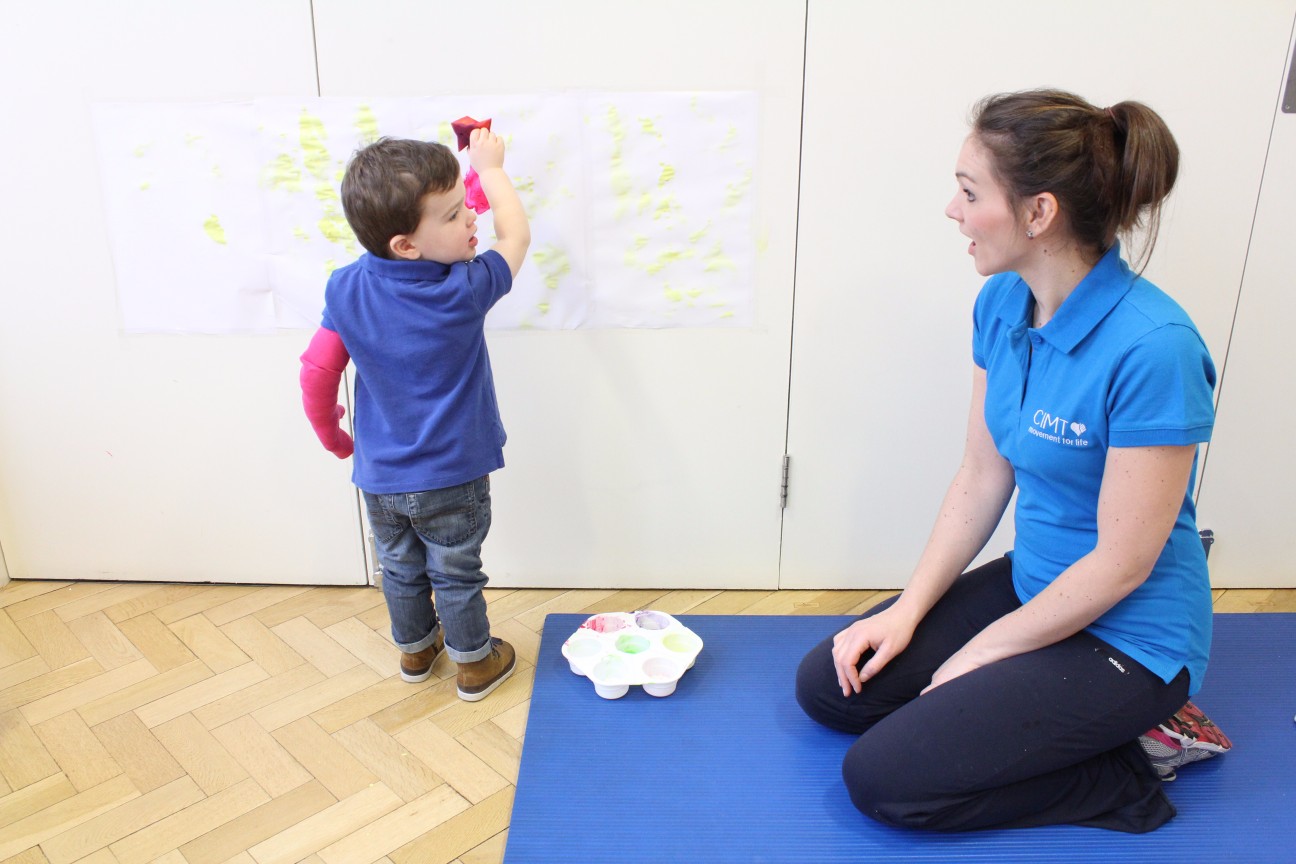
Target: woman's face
x,y
984,213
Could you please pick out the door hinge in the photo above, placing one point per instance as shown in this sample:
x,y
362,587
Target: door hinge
x,y
784,487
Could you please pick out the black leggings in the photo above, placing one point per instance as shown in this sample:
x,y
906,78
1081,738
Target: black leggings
x,y
1043,738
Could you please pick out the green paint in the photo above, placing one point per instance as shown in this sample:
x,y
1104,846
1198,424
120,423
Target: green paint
x,y
632,644
214,230
366,123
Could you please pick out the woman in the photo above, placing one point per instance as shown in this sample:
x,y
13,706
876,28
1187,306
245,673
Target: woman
x,y
1014,694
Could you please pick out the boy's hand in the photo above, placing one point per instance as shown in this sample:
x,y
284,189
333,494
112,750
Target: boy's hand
x,y
485,150
512,231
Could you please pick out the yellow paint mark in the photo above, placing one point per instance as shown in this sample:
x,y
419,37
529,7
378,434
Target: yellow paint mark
x,y
666,258
311,135
640,241
729,314
667,174
139,151
717,260
665,206
145,185
192,139
282,174
700,233
694,293
300,233
329,266
335,229
366,124
543,307
649,128
326,192
216,172
553,264
672,294
734,192
762,244
214,230
730,138
524,185
551,166
645,201
445,134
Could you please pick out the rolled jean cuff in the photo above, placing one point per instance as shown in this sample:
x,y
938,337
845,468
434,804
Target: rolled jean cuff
x,y
415,647
469,656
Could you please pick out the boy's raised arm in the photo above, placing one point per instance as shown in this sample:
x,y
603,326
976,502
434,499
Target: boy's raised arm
x,y
513,232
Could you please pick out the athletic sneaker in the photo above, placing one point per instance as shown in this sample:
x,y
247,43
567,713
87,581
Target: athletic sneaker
x,y
1188,736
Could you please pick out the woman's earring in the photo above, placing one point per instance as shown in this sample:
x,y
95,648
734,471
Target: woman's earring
x,y
1030,235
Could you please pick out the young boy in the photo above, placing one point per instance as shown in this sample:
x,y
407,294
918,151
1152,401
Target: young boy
x,y
410,314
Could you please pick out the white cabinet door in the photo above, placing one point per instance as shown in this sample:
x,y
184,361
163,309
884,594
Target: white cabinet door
x,y
144,457
1248,487
644,457
881,364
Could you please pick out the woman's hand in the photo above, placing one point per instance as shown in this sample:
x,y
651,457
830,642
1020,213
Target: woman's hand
x,y
961,663
886,634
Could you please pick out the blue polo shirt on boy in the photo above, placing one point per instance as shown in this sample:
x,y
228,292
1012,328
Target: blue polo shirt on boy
x,y
1119,365
425,413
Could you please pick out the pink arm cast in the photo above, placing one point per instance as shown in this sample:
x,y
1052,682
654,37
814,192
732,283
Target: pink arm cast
x,y
321,372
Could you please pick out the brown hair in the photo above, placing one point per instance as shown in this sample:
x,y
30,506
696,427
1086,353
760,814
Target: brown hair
x,y
1110,169
385,183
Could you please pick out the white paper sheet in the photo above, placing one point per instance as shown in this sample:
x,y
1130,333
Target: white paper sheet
x,y
225,217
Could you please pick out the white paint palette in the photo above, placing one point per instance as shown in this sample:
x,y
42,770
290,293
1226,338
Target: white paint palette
x,y
618,650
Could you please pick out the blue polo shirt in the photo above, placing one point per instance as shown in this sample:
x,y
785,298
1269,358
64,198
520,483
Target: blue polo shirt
x,y
425,412
1119,365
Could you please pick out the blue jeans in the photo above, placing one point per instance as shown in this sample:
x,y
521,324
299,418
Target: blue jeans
x,y
431,542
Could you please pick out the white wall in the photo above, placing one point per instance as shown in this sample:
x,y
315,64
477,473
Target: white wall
x,y
881,367
635,457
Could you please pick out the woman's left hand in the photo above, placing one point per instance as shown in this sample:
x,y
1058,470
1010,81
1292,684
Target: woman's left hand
x,y
959,664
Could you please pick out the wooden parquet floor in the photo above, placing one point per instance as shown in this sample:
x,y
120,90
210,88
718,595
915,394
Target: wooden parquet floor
x,y
197,724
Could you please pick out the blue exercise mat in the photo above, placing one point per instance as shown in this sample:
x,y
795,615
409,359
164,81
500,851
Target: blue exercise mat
x,y
728,770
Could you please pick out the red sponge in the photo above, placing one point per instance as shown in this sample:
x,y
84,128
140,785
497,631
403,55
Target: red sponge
x,y
463,128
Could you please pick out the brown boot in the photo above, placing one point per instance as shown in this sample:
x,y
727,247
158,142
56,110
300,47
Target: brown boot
x,y
417,667
477,679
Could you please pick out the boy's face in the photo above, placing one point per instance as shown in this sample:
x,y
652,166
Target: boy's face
x,y
446,232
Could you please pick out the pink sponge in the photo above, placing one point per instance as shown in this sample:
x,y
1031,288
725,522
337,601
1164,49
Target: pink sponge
x,y
463,128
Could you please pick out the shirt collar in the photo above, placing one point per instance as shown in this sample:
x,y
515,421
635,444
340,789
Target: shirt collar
x,y
1096,295
410,271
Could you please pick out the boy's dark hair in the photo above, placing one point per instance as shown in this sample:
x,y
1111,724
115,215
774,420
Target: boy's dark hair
x,y
385,183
